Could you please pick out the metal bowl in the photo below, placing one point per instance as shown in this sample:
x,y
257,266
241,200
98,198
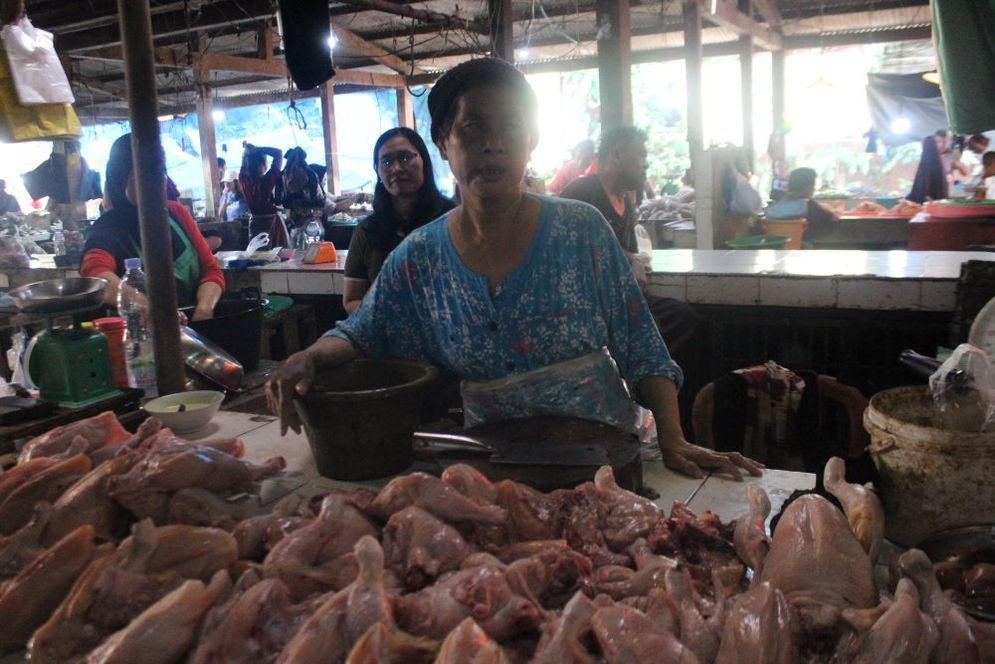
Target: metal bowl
x,y
59,295
210,361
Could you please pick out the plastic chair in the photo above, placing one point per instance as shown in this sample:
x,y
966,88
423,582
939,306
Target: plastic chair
x,y
849,398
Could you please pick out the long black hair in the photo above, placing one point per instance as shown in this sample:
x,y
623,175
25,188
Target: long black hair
x,y
119,167
382,226
931,179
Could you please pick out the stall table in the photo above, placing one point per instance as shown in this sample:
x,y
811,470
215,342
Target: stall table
x,y
951,234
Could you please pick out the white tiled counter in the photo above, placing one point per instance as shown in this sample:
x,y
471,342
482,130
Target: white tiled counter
x,y
824,279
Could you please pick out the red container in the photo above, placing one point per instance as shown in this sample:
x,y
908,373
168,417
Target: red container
x,y
113,328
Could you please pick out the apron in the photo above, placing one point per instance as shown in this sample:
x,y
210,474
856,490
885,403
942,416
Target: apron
x,y
186,268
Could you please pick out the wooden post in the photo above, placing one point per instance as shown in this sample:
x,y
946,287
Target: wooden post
x,y
502,26
149,169
264,41
777,85
208,142
330,138
692,65
405,108
614,63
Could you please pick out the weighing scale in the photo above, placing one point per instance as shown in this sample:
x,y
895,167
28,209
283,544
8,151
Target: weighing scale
x,y
69,365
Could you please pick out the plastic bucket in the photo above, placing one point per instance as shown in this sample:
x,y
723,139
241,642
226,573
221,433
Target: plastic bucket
x,y
359,417
758,242
936,469
793,229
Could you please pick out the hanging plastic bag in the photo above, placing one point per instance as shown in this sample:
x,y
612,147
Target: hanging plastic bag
x,y
588,387
30,123
964,387
35,67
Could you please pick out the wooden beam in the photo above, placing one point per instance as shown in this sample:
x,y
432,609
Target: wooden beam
x,y
769,10
425,15
162,56
330,137
614,63
149,166
405,108
502,29
876,36
746,86
264,41
209,62
360,46
208,143
693,56
777,88
724,13
368,78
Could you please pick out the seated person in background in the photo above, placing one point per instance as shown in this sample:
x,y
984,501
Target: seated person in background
x,y
801,185
232,205
583,155
115,236
622,171
7,201
406,198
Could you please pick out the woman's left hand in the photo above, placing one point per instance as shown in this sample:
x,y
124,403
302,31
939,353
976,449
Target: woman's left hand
x,y
202,313
693,460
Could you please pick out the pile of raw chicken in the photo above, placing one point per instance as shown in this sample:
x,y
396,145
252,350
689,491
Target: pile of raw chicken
x,y
121,547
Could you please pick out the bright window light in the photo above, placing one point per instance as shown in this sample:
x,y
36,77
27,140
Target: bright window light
x,y
332,41
901,125
218,115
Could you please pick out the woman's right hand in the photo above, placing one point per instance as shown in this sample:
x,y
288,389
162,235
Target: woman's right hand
x,y
293,378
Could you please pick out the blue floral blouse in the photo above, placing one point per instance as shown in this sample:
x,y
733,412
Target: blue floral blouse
x,y
572,294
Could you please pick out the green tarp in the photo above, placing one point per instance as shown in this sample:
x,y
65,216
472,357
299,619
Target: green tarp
x,y
964,35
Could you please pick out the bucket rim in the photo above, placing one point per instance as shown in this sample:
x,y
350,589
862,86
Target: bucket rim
x,y
430,373
921,435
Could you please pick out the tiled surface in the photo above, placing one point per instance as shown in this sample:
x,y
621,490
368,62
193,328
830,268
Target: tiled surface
x,y
797,291
706,289
879,294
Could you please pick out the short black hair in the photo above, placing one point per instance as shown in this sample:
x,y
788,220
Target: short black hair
x,y
801,179
617,137
221,162
940,133
988,158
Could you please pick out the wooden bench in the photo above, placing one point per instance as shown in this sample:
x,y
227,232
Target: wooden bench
x,y
288,332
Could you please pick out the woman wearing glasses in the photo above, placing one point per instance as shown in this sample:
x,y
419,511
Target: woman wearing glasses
x,y
405,199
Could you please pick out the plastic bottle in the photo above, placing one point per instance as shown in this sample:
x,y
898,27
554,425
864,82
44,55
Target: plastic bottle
x,y
138,353
314,231
59,243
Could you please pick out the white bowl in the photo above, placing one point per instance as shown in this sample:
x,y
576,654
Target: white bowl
x,y
200,407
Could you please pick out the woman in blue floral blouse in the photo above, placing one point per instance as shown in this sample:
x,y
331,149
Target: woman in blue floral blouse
x,y
507,282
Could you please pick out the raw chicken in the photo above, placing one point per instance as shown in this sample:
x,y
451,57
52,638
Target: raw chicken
x,y
628,636
87,502
480,592
148,428
165,439
658,607
468,644
818,564
96,432
903,634
319,557
253,536
916,566
19,549
164,632
21,473
758,629
957,645
471,483
329,634
551,577
434,496
389,645
861,505
190,551
532,515
582,526
419,547
146,490
561,638
702,636
47,486
27,600
624,516
750,537
195,506
255,627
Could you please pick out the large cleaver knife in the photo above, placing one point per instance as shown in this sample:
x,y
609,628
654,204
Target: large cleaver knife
x,y
518,452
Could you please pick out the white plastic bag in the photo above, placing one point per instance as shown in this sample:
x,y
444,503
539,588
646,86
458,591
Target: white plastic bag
x,y
34,66
965,382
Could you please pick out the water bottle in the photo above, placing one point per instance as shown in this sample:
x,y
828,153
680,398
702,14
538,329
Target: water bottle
x,y
314,232
132,306
59,243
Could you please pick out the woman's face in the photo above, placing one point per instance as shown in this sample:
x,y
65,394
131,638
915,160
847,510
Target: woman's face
x,y
489,144
131,188
400,167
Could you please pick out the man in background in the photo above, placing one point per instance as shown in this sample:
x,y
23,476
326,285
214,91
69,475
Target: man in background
x,y
583,155
612,190
7,201
801,185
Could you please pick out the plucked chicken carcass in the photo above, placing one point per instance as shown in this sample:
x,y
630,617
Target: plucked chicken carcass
x,y
94,432
21,473
561,637
164,632
319,556
468,644
818,564
902,634
419,547
28,600
436,497
750,538
19,549
861,505
626,635
45,486
623,515
388,645
757,629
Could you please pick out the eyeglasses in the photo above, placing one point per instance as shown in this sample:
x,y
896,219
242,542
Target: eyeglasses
x,y
401,157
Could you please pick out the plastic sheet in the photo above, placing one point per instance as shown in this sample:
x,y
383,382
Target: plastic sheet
x,y
35,67
588,387
966,380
